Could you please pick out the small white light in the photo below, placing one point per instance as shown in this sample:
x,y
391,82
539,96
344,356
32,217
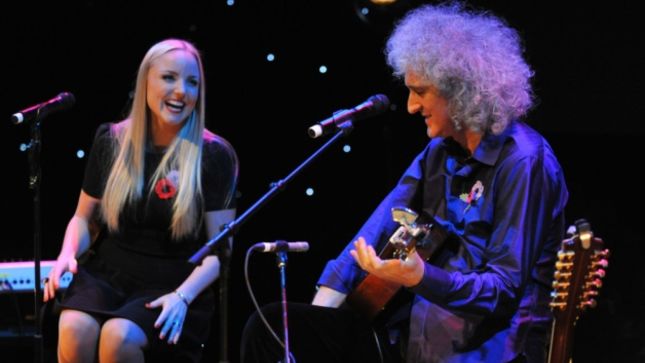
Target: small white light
x,y
365,11
309,191
270,57
230,2
23,147
347,148
80,154
322,69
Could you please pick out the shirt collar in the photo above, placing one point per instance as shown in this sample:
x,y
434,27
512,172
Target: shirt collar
x,y
490,147
488,150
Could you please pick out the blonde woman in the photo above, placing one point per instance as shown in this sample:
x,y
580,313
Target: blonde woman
x,y
161,184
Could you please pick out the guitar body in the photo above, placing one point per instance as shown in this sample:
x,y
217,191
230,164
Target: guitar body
x,y
577,280
373,293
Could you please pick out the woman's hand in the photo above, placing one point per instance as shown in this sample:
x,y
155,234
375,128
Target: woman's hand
x,y
172,316
65,262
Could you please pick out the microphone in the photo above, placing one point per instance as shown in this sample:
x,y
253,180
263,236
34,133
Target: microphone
x,y
63,101
374,105
281,246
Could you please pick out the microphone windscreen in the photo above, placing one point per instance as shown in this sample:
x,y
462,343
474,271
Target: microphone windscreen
x,y
67,100
381,102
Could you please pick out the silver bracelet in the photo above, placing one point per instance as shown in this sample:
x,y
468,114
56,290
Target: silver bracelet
x,y
182,297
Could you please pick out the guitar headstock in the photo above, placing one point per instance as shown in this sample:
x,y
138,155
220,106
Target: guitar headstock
x,y
406,237
579,271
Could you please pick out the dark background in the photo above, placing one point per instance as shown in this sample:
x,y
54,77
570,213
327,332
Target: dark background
x,y
587,60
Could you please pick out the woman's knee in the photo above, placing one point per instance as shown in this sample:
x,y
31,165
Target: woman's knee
x,y
77,326
118,332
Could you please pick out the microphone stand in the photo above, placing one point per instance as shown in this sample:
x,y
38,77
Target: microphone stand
x,y
229,229
35,174
281,258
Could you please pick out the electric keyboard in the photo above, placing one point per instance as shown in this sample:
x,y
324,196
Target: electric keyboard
x,y
19,276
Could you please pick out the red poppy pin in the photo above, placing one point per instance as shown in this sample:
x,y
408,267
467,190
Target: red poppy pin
x,y
475,193
166,188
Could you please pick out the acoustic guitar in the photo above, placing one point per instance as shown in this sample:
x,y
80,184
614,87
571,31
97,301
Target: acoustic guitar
x,y
579,270
372,294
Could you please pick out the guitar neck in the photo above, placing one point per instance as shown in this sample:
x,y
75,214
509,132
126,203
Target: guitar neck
x,y
561,337
579,270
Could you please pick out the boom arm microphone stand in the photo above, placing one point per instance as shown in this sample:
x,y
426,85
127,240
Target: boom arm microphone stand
x,y
35,114
229,229
35,174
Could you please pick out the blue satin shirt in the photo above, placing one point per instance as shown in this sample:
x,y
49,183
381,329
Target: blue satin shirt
x,y
484,295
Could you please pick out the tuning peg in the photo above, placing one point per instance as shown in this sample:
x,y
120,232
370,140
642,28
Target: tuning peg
x,y
558,305
560,284
561,275
595,283
589,294
599,273
591,303
565,255
600,263
559,265
559,295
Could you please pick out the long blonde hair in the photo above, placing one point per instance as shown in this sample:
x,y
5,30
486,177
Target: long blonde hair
x,y
125,182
